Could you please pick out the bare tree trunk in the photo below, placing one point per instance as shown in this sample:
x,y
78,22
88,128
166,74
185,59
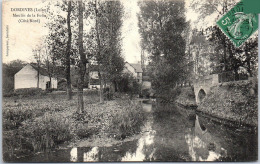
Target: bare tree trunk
x,y
224,40
50,75
82,62
38,71
69,92
225,55
38,77
101,95
248,58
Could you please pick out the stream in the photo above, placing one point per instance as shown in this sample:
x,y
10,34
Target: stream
x,y
171,133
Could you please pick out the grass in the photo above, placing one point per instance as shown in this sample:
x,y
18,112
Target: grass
x,y
39,123
186,97
128,120
232,101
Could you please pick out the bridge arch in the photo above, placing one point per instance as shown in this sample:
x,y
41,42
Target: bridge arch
x,y
201,95
201,92
202,86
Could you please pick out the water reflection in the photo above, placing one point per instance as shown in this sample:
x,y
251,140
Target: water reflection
x,y
147,139
202,147
147,107
74,155
169,134
91,156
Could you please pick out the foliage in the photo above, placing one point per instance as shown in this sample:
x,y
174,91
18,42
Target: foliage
x,y
37,135
226,56
127,121
107,32
47,132
146,93
233,101
162,25
38,123
83,131
128,84
25,92
186,97
207,8
231,57
9,70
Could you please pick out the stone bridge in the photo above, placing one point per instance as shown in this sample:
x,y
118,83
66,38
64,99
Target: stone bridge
x,y
203,85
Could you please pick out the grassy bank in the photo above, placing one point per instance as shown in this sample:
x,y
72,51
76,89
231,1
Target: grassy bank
x,y
186,97
236,101
40,123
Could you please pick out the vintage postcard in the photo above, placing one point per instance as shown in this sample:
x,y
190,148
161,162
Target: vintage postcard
x,y
130,80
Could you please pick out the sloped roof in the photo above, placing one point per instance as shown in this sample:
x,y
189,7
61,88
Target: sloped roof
x,y
42,71
137,67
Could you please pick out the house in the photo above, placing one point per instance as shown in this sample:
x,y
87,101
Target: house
x,y
27,78
135,69
93,77
146,83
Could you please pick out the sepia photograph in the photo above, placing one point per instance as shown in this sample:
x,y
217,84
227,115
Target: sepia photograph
x,y
129,81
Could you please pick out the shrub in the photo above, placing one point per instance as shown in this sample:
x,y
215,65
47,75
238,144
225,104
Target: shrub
x,y
146,93
85,131
46,132
41,134
127,121
26,92
128,84
62,85
9,94
13,118
90,92
232,101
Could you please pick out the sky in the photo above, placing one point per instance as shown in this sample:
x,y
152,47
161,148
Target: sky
x,y
23,37
20,38
131,37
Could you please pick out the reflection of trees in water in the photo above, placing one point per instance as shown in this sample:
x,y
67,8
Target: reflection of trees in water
x,y
171,125
113,153
241,143
202,147
172,134
145,148
220,143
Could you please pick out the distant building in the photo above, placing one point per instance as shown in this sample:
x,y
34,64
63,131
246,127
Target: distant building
x,y
27,78
93,77
146,83
135,69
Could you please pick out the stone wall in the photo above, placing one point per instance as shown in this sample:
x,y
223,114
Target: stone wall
x,y
235,101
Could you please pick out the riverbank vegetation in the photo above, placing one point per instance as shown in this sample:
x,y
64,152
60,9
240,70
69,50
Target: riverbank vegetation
x,y
233,101
40,123
186,96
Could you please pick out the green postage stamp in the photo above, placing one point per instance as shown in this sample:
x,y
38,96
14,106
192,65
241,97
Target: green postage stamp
x,y
238,25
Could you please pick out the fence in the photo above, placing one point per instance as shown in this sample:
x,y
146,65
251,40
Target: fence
x,y
231,76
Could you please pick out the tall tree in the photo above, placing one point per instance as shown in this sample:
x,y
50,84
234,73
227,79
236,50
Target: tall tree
x,y
60,38
38,57
162,25
68,52
9,71
99,57
229,57
108,23
82,61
